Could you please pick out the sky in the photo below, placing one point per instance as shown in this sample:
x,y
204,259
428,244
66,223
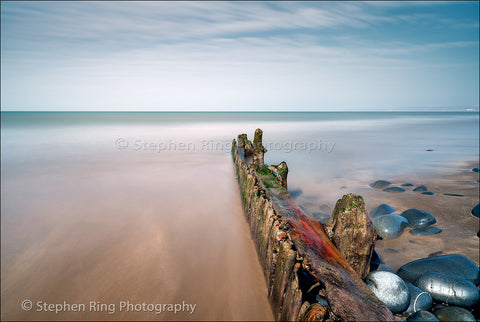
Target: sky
x,y
239,56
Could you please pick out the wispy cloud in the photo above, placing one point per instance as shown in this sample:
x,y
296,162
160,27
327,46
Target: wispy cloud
x,y
219,52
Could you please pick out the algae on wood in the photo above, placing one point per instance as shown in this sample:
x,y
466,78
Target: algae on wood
x,y
353,233
290,244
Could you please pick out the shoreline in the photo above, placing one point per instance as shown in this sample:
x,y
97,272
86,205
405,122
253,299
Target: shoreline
x,y
453,213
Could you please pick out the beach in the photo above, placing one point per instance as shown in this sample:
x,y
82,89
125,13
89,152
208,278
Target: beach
x,y
453,213
145,208
140,234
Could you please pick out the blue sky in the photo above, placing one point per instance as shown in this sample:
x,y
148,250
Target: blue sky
x,y
194,55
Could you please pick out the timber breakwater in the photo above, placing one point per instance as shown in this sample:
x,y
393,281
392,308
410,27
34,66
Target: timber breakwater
x,y
313,272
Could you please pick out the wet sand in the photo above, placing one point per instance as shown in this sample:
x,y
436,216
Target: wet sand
x,y
172,230
453,214
85,220
162,231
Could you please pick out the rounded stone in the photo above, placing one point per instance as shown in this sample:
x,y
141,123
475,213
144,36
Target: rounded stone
x,y
418,218
422,316
421,188
380,183
321,216
425,231
295,193
391,251
429,193
419,300
407,185
453,194
476,210
394,189
321,300
383,209
435,254
390,226
390,289
449,289
455,265
325,208
384,268
476,169
454,313
303,208
376,258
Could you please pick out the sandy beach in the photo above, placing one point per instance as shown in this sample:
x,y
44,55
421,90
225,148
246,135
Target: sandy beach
x,y
118,232
88,218
453,214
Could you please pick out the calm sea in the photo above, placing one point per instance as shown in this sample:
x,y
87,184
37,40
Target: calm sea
x,y
144,207
327,143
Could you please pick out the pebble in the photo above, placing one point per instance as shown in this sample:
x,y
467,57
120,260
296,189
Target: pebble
x,y
390,289
383,209
321,216
425,231
394,189
380,183
455,265
428,193
376,258
390,226
325,208
418,218
449,289
476,210
420,188
453,194
303,208
476,169
295,193
454,313
321,300
419,300
421,316
392,251
435,254
407,185
384,268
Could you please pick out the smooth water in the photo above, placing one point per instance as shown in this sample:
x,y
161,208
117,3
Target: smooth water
x,y
144,207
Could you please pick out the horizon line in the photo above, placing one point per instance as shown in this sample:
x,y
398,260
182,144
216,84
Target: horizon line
x,y
463,109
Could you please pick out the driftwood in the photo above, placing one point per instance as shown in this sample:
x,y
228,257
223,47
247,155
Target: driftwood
x,y
347,294
291,246
353,233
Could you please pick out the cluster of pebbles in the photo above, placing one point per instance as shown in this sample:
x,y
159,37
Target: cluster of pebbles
x,y
391,226
443,288
388,186
440,288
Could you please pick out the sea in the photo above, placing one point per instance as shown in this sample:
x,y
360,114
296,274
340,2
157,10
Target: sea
x,y
128,212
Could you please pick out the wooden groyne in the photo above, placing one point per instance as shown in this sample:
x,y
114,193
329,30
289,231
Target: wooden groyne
x,y
308,278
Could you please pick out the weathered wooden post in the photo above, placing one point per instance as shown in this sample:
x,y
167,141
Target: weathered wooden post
x,y
283,172
297,256
242,139
352,232
258,148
